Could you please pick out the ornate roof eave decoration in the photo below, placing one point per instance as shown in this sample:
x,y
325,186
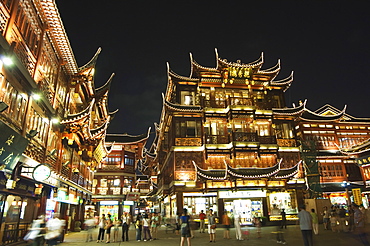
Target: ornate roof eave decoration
x,y
175,76
104,89
356,149
290,111
347,118
100,130
181,108
283,82
257,64
196,67
248,172
128,139
289,172
113,114
79,117
308,115
273,71
59,39
91,63
213,174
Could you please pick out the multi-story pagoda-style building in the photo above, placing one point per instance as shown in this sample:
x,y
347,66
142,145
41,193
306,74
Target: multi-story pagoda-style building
x,y
115,188
53,120
226,142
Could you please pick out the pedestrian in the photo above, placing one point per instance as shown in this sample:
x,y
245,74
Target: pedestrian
x,y
315,222
37,231
53,230
177,223
89,225
226,222
139,226
146,229
359,221
202,217
185,228
116,225
101,226
154,223
126,221
326,217
109,225
257,223
305,223
334,222
238,229
342,219
211,226
283,218
280,235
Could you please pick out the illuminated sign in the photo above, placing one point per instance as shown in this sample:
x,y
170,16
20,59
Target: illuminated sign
x,y
241,194
12,146
357,197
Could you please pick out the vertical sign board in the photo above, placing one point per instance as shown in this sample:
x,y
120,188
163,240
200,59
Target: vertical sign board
x,y
357,198
12,146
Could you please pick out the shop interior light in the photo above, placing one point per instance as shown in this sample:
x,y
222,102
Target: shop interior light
x,y
36,96
55,120
7,60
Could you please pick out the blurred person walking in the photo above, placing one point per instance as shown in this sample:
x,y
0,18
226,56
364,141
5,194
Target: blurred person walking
x,y
37,232
359,222
305,223
101,226
89,225
238,229
54,228
315,222
185,228
202,217
226,222
283,218
154,223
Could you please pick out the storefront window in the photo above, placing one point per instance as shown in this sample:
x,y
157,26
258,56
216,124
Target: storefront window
x,y
282,200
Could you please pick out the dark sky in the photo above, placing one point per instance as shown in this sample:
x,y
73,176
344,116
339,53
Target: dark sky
x,y
325,43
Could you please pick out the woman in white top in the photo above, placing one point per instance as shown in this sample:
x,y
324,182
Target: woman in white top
x,y
146,230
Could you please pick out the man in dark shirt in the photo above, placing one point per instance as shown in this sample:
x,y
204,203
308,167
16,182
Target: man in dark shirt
x,y
283,218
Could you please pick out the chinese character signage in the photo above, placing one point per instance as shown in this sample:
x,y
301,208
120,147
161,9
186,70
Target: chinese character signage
x,y
357,197
365,160
12,146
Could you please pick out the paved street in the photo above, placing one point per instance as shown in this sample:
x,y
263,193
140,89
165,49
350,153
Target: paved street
x,y
292,236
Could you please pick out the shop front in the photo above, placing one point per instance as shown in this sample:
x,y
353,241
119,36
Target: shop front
x,y
109,207
247,204
284,199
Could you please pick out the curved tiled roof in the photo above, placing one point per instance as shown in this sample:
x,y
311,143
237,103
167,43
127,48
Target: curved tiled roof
x,y
290,111
102,90
214,174
126,138
312,116
84,114
255,64
283,82
249,172
289,172
92,62
356,149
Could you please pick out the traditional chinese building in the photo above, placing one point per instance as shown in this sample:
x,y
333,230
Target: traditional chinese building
x,y
115,188
53,120
336,143
226,141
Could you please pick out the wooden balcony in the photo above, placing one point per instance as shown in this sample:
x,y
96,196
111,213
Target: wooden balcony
x,y
286,142
245,136
217,139
188,141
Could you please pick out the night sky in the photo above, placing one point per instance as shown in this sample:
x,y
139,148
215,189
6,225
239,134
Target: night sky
x,y
325,43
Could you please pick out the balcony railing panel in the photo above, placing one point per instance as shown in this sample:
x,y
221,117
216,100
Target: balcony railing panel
x,y
188,141
217,139
245,136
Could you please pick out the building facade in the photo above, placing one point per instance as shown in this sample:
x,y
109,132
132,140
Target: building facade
x,y
53,120
226,142
332,141
115,188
